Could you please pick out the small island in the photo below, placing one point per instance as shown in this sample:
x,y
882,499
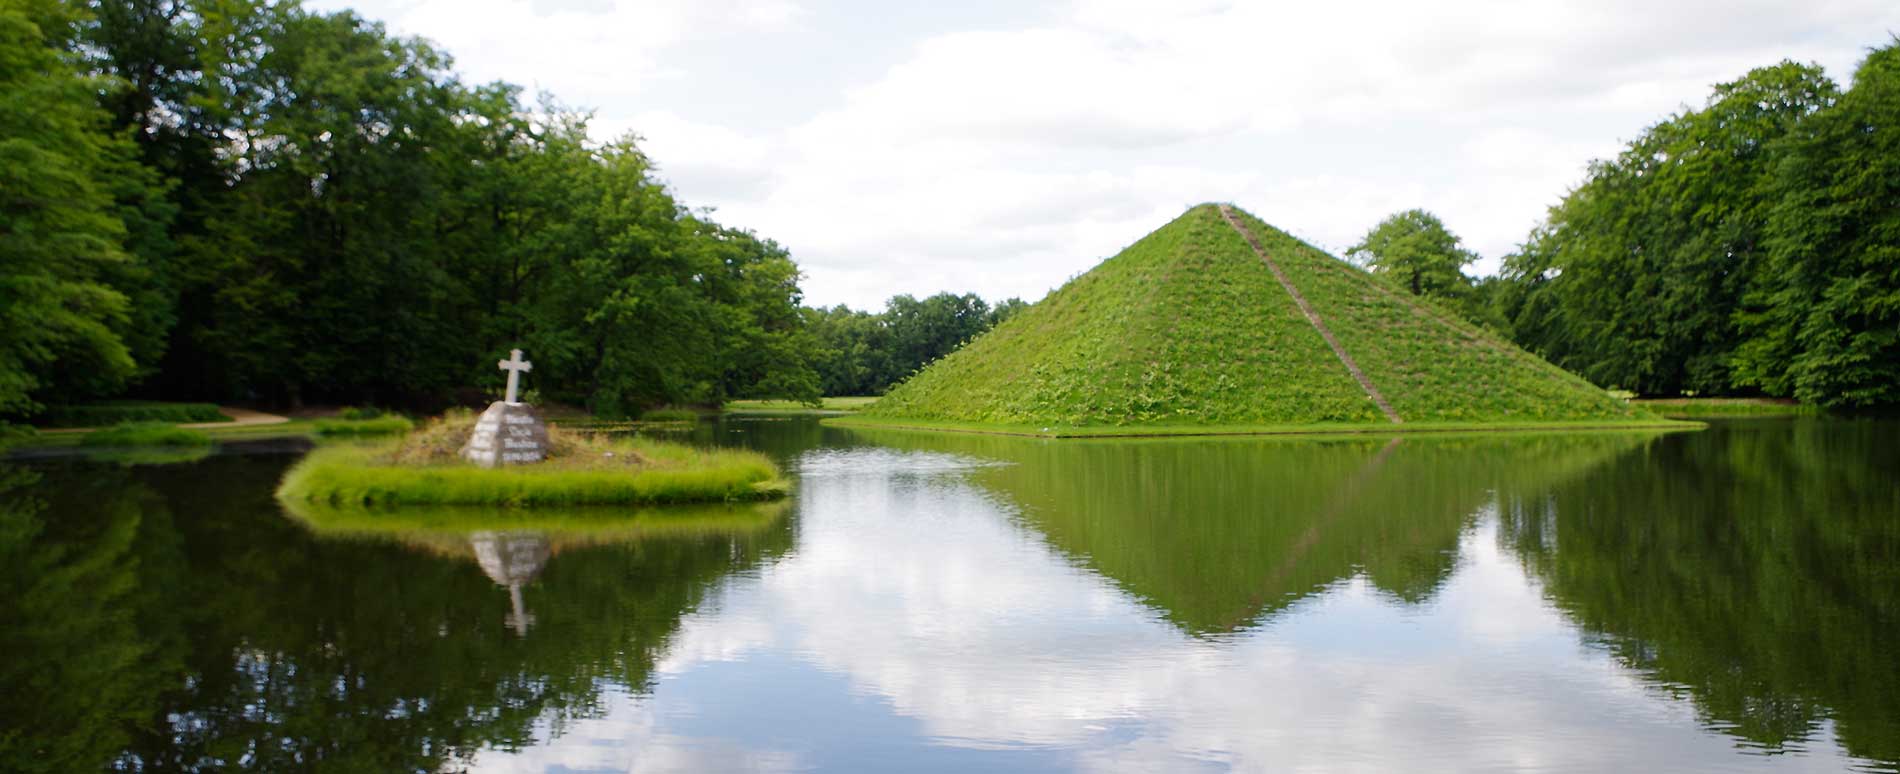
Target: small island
x,y
509,457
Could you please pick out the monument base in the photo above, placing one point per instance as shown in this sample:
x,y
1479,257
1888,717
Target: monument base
x,y
507,434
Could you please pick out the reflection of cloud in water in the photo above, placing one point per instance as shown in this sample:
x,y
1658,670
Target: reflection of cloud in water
x,y
933,603
881,462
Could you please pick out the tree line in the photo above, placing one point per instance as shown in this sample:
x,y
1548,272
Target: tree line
x,y
242,200
867,353
1747,247
249,200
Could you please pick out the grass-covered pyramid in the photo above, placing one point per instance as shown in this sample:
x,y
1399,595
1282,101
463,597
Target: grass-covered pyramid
x,y
1200,327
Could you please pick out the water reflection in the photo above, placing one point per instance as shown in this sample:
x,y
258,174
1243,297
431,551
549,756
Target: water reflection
x,y
1760,578
1220,534
1716,601
511,560
228,637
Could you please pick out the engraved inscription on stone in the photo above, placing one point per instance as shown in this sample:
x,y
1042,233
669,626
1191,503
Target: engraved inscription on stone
x,y
507,434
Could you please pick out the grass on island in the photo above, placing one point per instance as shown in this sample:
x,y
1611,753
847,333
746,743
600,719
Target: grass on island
x,y
145,434
825,405
119,412
604,523
1727,407
377,425
425,468
1187,331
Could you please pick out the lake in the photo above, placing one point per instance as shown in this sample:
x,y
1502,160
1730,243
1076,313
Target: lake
x,y
1724,600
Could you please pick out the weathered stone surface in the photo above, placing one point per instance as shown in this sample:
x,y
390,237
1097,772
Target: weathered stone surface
x,y
507,434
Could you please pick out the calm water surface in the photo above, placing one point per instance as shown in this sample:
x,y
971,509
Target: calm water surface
x,y
1727,600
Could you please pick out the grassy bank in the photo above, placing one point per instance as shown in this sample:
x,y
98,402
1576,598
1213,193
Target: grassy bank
x,y
424,469
1727,407
145,434
122,411
382,425
1308,429
832,405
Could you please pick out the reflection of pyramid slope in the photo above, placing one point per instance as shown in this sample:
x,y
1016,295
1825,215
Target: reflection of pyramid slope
x,y
1219,534
1191,325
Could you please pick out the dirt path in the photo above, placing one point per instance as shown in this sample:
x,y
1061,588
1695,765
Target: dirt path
x,y
239,417
1312,317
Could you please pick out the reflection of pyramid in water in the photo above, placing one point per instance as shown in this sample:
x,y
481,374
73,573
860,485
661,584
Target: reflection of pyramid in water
x,y
1219,319
1220,534
512,559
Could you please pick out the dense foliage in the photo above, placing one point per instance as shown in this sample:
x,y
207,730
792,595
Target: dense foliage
x,y
865,353
1751,245
248,200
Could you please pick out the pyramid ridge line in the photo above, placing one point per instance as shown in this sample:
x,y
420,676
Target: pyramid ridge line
x,y
1312,316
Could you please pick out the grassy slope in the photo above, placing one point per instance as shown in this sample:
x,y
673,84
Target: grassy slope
x,y
1187,330
1179,328
1430,364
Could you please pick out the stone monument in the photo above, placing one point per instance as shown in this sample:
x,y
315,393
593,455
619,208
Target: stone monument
x,y
509,432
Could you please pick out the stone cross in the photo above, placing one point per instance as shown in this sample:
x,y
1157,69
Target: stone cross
x,y
515,367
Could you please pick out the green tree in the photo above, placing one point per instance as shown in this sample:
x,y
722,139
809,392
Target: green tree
x,y
1824,322
1635,277
61,321
1416,250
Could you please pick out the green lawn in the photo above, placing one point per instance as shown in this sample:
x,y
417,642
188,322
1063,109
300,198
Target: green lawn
x,y
825,405
1726,407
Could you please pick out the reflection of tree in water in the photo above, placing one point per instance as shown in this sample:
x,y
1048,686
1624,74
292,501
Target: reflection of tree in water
x,y
1757,572
296,653
82,656
1220,533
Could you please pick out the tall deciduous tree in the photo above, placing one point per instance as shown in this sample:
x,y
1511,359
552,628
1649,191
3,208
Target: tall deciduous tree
x,y
1824,323
1416,250
1635,278
61,239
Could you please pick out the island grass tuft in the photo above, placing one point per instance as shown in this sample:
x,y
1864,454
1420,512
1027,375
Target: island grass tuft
x,y
145,434
424,468
379,425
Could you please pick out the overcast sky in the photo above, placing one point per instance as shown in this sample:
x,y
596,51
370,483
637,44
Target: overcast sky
x,y
1003,147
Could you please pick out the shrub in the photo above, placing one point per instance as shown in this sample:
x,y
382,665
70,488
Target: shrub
x,y
145,434
122,411
670,414
378,426
359,412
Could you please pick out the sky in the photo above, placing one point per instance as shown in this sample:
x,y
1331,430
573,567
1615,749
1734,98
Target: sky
x,y
1002,147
